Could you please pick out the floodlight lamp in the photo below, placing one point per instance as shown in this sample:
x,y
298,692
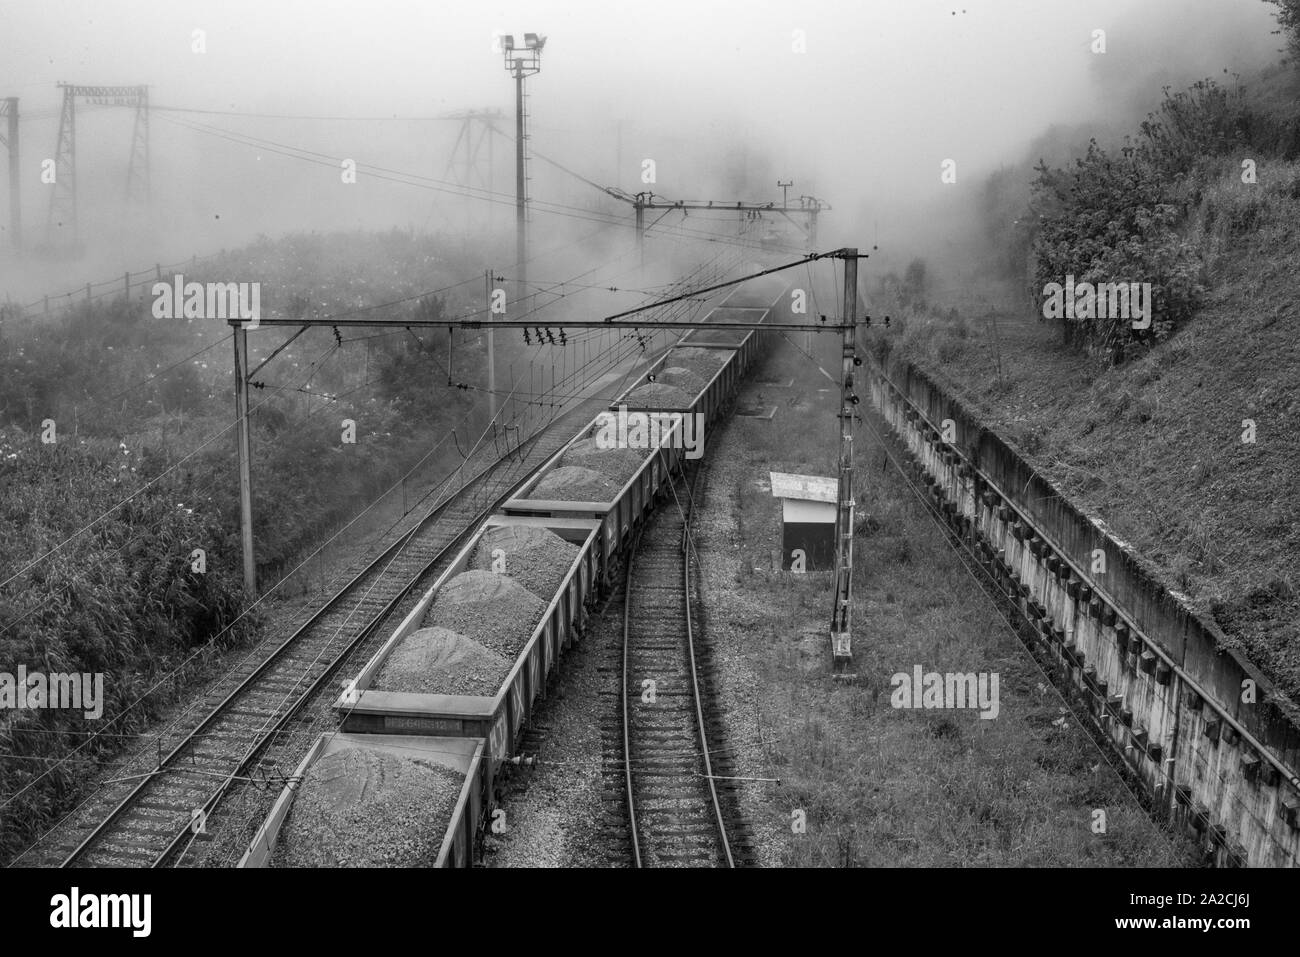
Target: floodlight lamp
x,y
533,41
508,41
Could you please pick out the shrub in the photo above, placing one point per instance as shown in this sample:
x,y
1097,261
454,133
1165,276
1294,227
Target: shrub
x,y
1119,218
122,601
1288,21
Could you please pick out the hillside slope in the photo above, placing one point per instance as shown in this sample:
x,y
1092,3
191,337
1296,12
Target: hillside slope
x,y
1158,446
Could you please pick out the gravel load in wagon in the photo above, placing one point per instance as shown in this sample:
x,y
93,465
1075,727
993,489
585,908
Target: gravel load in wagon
x,y
681,378
617,465
730,337
440,661
654,395
494,610
573,483
703,362
756,296
535,557
733,313
359,807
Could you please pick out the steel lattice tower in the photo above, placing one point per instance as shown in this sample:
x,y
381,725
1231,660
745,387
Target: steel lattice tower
x,y
63,199
138,187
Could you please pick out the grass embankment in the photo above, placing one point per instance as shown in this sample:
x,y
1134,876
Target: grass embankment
x,y
880,785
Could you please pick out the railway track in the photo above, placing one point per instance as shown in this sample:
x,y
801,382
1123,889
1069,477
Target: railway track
x,y
675,815
144,818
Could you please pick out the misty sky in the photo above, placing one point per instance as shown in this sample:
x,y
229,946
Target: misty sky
x,y
884,92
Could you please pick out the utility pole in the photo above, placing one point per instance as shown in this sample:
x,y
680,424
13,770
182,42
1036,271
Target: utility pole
x,y
9,106
492,361
785,190
245,458
521,190
522,63
841,611
812,206
641,199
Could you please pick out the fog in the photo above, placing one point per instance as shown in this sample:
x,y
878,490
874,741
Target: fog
x,y
858,104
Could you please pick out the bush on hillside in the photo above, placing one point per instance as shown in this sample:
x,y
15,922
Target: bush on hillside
x,y
1121,217
1288,21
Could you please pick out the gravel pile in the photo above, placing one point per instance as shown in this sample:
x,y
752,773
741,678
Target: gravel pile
x,y
732,337
364,808
536,558
617,465
683,378
655,395
757,294
725,314
703,362
491,609
439,661
573,483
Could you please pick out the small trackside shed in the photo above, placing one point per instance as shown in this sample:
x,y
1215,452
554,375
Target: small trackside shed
x,y
807,521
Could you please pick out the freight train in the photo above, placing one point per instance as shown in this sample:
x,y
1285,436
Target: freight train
x,y
429,721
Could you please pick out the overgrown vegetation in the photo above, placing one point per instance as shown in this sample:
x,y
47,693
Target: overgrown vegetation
x,y
911,288
1134,213
117,463
1158,444
122,600
1117,218
1288,21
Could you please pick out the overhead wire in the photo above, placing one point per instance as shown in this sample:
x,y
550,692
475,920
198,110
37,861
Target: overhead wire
x,y
437,185
311,374
117,716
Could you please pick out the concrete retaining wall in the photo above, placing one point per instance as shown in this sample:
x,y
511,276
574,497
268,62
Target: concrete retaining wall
x,y
1175,703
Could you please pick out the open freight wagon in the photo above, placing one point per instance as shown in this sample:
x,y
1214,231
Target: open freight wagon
x,y
498,717
467,735
748,343
451,833
755,301
619,513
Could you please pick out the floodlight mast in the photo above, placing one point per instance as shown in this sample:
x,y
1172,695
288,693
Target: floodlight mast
x,y
521,63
